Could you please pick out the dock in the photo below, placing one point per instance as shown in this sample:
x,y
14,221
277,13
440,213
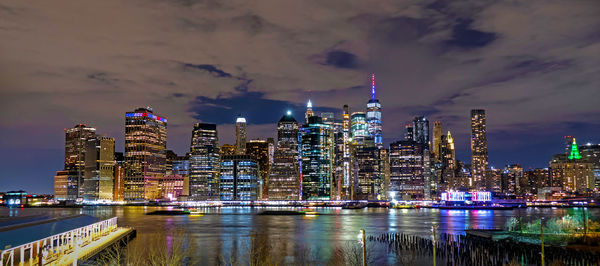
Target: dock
x,y
57,241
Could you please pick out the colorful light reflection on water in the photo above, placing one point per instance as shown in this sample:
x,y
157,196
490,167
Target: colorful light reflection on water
x,y
227,230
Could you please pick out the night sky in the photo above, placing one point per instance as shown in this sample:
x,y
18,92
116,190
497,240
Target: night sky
x,y
533,65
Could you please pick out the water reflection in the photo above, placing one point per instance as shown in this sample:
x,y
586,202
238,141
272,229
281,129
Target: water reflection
x,y
222,233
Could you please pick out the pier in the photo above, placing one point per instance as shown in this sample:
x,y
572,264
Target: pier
x,y
58,241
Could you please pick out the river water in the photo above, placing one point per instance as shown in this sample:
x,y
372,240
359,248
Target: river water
x,y
226,232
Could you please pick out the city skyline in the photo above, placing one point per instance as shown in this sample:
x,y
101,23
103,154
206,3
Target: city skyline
x,y
434,59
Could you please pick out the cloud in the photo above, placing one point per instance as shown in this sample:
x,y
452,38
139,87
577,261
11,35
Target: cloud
x,y
463,36
252,105
531,63
341,59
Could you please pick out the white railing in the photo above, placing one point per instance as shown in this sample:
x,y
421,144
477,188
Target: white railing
x,y
52,248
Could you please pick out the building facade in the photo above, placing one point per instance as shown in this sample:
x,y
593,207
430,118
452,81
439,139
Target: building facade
x,y
145,153
99,169
259,150
316,160
204,162
479,150
240,136
239,178
374,124
407,169
76,139
284,181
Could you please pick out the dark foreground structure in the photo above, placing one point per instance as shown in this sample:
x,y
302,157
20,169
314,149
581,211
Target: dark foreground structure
x,y
468,250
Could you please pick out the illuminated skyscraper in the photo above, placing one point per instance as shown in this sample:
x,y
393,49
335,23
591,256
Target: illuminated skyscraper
x,y
240,135
238,178
346,152
409,133
99,169
572,172
437,138
204,162
407,169
258,149
447,159
145,153
367,171
359,128
309,112
75,149
479,150
374,116
284,181
421,130
316,160
227,149
119,177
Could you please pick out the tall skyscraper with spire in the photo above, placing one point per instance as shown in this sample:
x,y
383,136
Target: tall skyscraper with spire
x,y
240,135
374,116
479,150
309,112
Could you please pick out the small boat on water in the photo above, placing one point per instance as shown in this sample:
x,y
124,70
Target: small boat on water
x,y
405,206
169,212
305,211
354,205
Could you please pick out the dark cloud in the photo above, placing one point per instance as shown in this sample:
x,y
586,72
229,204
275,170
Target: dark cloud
x,y
213,70
251,105
463,36
341,59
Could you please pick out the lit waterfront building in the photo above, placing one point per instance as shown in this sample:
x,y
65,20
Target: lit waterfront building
x,y
437,139
76,139
284,179
337,148
145,158
309,112
239,178
534,180
204,162
407,169
511,178
421,130
359,129
259,150
447,157
227,149
240,136
479,150
99,169
572,172
119,177
367,171
409,132
316,163
339,178
591,153
346,153
65,186
175,184
374,116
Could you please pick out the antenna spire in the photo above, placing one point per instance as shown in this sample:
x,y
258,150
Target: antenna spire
x,y
373,86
